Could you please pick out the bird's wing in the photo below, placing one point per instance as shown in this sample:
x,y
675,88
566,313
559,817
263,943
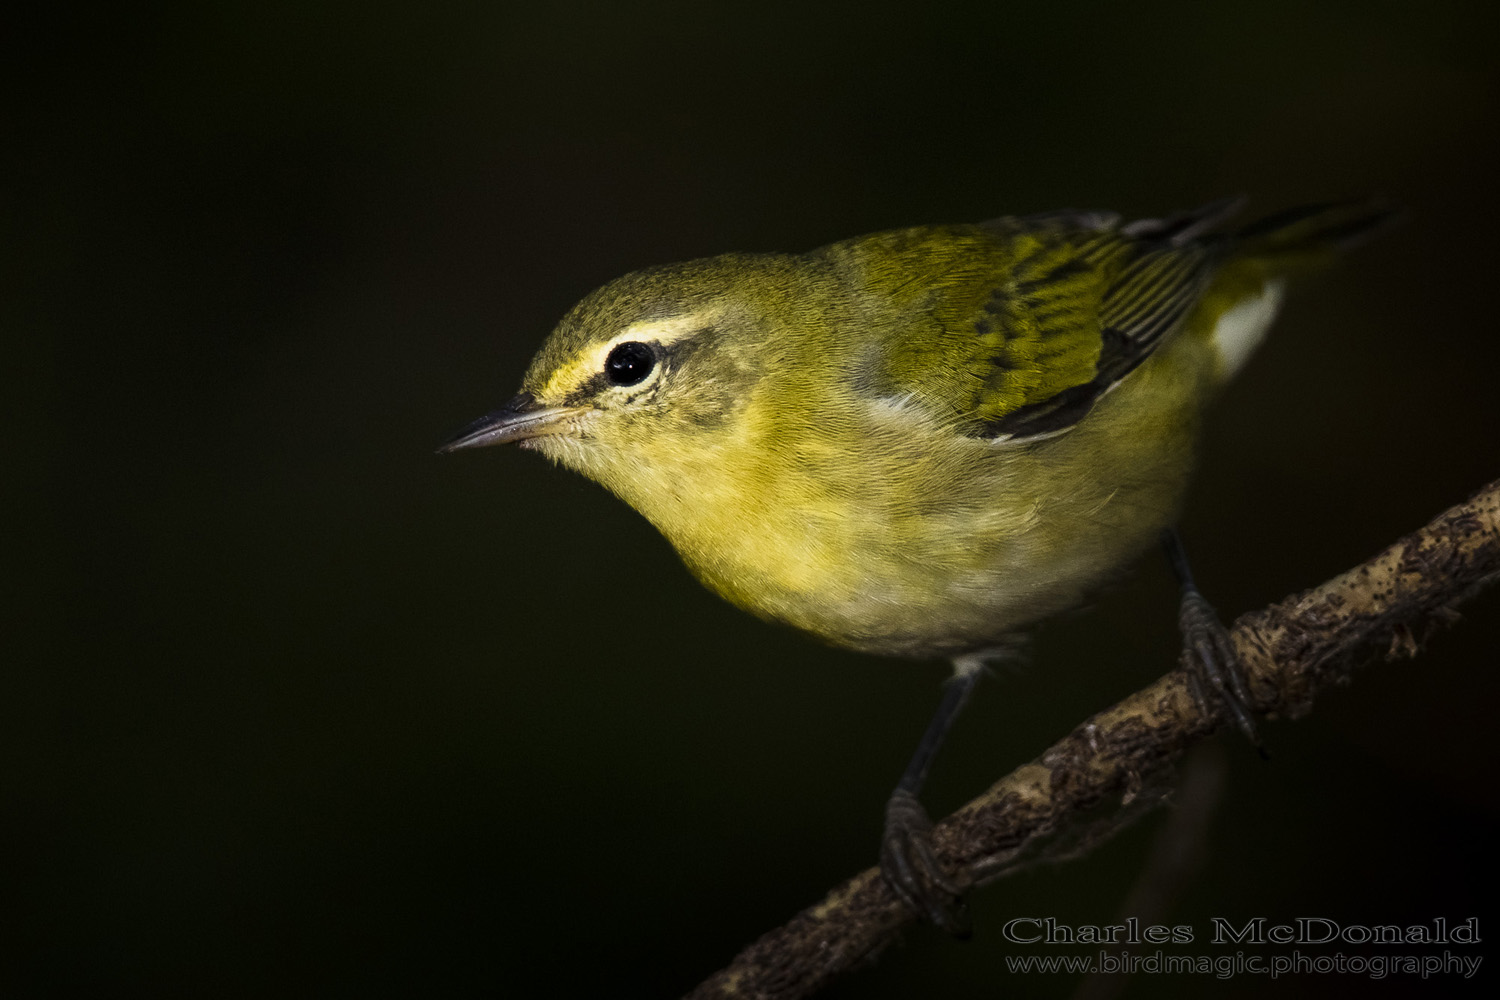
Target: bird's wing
x,y
1110,300
1025,323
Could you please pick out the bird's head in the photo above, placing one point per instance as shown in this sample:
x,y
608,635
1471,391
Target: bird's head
x,y
653,371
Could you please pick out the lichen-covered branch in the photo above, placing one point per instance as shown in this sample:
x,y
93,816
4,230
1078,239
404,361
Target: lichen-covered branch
x,y
1116,762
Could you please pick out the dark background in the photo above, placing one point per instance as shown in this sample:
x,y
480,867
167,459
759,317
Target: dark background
x,y
292,704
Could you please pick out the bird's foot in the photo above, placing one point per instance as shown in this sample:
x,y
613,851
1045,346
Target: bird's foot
x,y
1207,651
911,867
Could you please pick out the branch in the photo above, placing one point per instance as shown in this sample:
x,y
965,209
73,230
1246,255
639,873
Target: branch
x,y
1120,758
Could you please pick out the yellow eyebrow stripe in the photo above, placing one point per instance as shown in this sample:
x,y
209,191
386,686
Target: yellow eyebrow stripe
x,y
653,331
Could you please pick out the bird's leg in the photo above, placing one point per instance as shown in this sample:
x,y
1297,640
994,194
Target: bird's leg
x,y
906,856
1206,646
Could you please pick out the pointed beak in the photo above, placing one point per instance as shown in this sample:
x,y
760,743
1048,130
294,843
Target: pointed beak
x,y
521,419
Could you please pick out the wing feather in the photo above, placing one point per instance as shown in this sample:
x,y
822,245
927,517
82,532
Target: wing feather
x,y
1014,328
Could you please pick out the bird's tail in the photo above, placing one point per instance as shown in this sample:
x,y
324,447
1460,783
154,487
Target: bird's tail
x,y
1248,288
1313,234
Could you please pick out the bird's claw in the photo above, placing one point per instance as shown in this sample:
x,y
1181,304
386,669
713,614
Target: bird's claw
x,y
1206,650
912,870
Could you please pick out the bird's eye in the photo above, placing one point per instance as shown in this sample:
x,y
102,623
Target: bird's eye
x,y
629,363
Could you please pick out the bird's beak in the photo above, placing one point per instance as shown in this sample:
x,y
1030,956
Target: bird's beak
x,y
521,419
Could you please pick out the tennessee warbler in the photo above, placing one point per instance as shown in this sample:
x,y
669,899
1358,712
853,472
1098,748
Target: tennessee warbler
x,y
919,442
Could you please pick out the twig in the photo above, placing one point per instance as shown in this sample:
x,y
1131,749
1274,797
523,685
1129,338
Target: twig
x,y
1290,652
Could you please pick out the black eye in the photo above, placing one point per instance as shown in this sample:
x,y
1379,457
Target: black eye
x,y
629,363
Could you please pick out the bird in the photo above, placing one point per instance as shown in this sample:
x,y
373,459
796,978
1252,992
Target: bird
x,y
922,442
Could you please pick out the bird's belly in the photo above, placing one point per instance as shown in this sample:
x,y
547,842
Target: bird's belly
x,y
954,577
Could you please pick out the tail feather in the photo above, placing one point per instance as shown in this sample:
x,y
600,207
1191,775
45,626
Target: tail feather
x,y
1316,230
